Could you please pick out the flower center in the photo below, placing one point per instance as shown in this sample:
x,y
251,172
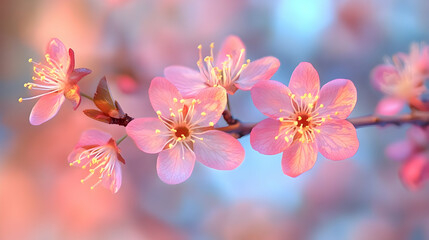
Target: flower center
x,y
181,132
303,120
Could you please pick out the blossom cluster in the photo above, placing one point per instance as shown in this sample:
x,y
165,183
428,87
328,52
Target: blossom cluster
x,y
303,118
402,80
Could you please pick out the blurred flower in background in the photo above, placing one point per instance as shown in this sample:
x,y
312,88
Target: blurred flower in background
x,y
130,42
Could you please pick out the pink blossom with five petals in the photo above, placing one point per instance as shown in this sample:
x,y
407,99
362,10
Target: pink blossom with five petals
x,y
57,78
413,153
98,151
184,132
402,80
304,120
229,70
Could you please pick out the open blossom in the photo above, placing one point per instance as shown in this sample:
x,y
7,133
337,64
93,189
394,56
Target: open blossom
x,y
56,79
183,132
413,152
229,70
304,120
98,152
402,80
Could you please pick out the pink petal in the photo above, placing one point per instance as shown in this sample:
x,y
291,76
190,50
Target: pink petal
x,y
187,80
418,136
412,171
299,158
304,80
232,46
93,137
46,108
338,97
261,69
210,104
381,73
262,137
75,154
399,151
113,182
175,165
164,95
389,106
272,99
337,139
143,132
219,150
78,74
58,52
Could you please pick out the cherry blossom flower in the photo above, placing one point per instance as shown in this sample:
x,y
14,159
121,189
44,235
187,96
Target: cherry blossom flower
x,y
229,70
303,120
98,151
57,79
402,80
183,132
414,155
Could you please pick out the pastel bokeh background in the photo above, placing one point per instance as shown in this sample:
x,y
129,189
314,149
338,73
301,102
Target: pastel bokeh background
x,y
130,42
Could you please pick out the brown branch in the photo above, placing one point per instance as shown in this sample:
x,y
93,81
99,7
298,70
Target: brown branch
x,y
239,129
123,121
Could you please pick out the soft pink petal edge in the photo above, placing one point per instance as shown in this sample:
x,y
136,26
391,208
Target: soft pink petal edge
x,y
262,137
187,80
46,108
338,97
389,106
272,99
261,69
143,132
299,158
337,140
175,165
304,80
219,150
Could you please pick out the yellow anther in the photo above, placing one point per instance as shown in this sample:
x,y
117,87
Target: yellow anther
x,y
172,115
78,161
293,96
194,101
81,180
101,170
170,145
317,130
47,55
182,100
286,139
20,99
71,164
91,170
321,105
180,110
309,95
211,124
92,187
212,45
30,60
276,137
248,61
311,105
336,113
173,130
84,166
316,97
323,119
109,175
309,119
280,110
228,55
295,123
30,86
158,113
175,100
291,136
157,131
281,119
25,85
207,59
170,109
299,119
203,113
199,46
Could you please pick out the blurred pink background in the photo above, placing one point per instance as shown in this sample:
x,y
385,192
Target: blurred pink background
x,y
130,42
